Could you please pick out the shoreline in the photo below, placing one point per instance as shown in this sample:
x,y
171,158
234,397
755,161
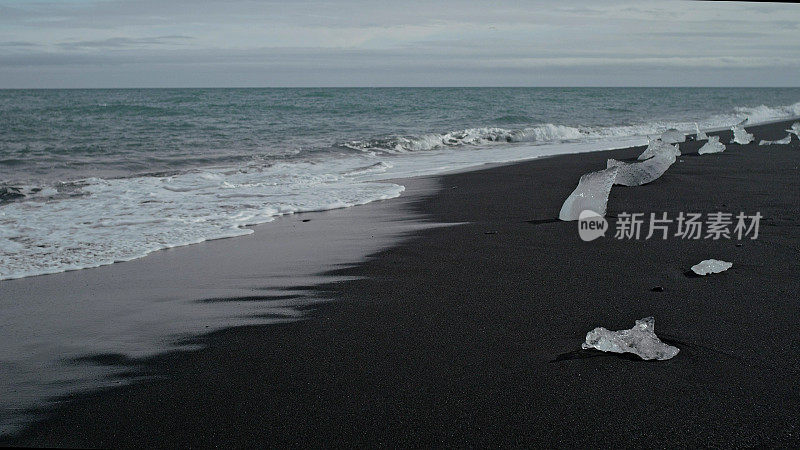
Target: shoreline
x,y
469,335
158,304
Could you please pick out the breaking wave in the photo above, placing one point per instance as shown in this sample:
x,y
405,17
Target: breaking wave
x,y
469,136
765,113
552,133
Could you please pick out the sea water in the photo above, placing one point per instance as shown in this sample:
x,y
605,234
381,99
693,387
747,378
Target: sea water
x,y
92,177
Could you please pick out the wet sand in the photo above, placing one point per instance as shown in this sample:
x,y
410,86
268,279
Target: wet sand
x,y
470,335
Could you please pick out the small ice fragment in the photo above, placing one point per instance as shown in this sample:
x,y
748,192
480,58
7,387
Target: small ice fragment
x,y
740,135
795,129
701,135
673,136
10,193
712,146
591,193
640,340
783,141
639,173
657,146
711,266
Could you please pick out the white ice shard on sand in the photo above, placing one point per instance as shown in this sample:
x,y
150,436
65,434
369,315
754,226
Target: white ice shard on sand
x,y
701,135
657,146
783,141
673,136
639,173
795,129
712,146
640,340
591,193
708,266
740,135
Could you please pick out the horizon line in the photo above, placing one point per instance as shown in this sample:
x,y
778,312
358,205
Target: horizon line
x,y
399,87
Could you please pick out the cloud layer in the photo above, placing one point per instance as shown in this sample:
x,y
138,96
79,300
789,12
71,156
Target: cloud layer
x,y
115,43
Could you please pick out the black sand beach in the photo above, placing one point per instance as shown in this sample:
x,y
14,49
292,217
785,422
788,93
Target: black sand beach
x,y
470,335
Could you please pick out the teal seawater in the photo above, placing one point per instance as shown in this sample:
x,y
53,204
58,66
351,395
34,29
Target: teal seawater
x,y
61,135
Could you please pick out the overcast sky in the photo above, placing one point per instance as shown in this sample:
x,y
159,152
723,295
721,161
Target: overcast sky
x,y
177,43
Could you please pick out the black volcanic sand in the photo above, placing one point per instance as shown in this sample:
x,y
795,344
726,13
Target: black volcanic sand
x,y
470,335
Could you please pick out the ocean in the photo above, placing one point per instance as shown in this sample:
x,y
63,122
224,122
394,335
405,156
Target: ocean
x,y
92,177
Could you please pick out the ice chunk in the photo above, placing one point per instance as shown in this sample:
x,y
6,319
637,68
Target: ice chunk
x,y
711,266
783,141
591,193
673,136
640,340
712,146
795,129
657,146
639,173
701,136
8,193
740,135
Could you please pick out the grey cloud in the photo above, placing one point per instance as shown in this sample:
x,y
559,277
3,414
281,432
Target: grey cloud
x,y
787,24
710,34
322,59
24,44
125,42
163,75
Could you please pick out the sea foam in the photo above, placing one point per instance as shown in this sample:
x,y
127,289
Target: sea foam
x,y
123,219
